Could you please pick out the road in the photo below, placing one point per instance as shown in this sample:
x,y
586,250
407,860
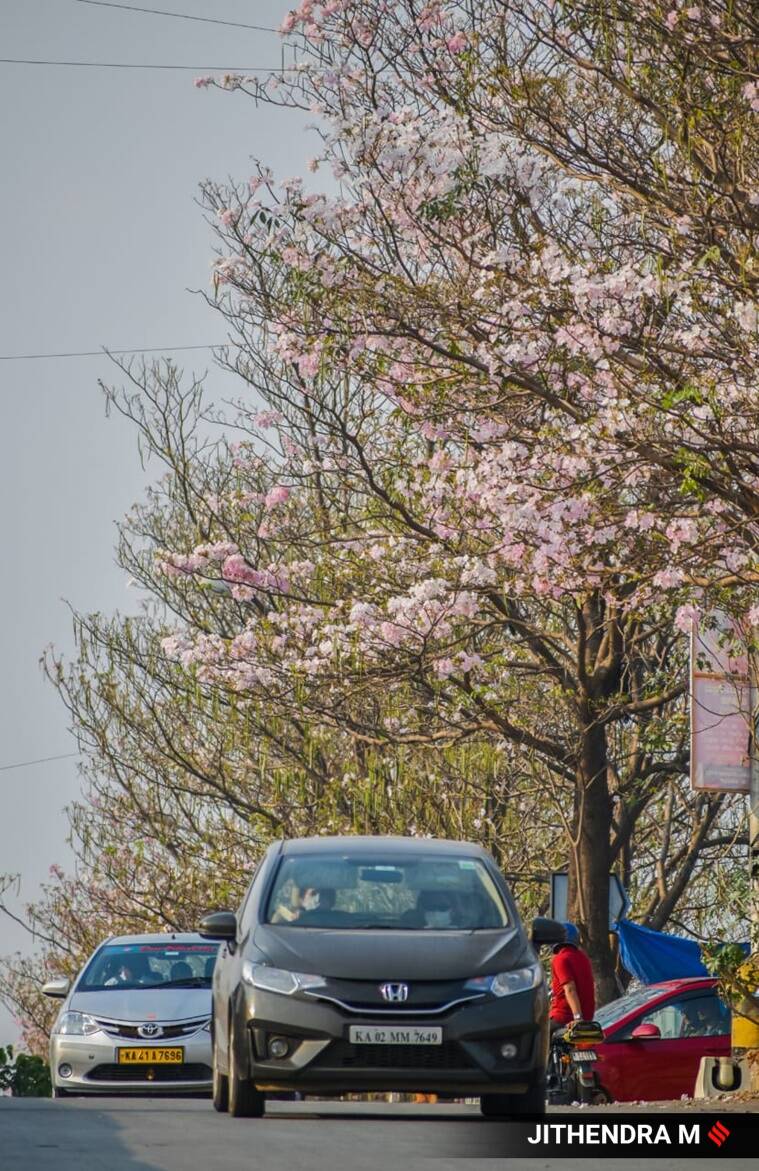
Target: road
x,y
147,1134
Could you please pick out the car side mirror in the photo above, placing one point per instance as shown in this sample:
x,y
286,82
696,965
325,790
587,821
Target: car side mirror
x,y
57,988
219,925
547,931
646,1033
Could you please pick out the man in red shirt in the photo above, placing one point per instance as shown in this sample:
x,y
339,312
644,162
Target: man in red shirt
x,y
573,996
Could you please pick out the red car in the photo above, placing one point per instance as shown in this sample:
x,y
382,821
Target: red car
x,y
655,1039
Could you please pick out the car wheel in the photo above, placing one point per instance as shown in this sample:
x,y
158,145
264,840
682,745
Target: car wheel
x,y
515,1106
245,1101
220,1093
59,1093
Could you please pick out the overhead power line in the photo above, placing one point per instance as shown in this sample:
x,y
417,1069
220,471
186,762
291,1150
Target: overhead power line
x,y
138,65
261,28
106,350
40,760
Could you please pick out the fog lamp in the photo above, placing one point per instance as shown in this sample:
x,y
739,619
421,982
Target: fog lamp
x,y
65,1069
278,1047
508,1049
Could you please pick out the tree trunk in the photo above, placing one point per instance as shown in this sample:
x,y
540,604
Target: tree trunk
x,y
590,859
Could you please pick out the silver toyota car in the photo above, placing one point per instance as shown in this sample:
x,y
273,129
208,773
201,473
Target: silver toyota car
x,y
137,1018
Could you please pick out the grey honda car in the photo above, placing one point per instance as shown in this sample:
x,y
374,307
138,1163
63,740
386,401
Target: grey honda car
x,y
136,1019
363,964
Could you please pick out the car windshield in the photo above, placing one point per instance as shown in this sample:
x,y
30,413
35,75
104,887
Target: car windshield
x,y
339,891
613,1012
150,965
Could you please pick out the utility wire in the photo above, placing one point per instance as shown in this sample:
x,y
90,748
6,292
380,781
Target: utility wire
x,y
41,760
261,28
131,65
106,351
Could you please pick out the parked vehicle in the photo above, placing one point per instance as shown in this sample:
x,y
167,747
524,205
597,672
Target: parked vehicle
x,y
654,1039
379,964
137,1018
572,1065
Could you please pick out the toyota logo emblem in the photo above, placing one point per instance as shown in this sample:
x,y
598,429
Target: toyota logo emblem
x,y
147,1031
395,993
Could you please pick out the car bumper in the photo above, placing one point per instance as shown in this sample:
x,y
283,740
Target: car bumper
x,y
322,1058
95,1067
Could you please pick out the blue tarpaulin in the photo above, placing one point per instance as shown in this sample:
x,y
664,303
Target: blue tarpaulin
x,y
652,956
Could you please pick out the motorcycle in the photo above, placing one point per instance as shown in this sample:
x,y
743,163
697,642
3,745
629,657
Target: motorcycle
x,y
572,1059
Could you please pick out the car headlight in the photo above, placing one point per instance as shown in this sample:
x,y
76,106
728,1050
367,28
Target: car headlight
x,y
277,979
506,983
76,1024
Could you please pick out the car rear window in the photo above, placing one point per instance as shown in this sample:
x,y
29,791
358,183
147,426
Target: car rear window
x,y
150,965
440,893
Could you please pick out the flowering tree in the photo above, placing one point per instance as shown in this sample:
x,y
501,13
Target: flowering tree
x,y
509,363
189,776
517,347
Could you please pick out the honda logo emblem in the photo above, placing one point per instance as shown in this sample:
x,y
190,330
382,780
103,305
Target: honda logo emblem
x,y
395,993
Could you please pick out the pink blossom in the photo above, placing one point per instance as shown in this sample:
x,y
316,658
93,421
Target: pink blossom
x,y
392,633
308,364
268,418
682,531
668,578
686,617
457,43
747,315
277,495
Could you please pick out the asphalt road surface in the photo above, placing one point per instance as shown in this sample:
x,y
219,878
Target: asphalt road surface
x,y
148,1134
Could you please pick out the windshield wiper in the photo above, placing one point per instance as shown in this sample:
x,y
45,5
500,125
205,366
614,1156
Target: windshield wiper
x,y
186,982
374,927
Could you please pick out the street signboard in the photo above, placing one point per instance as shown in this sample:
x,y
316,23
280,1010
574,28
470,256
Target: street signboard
x,y
721,704
619,903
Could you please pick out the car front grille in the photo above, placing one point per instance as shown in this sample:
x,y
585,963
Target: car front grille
x,y
148,1074
343,1055
168,1031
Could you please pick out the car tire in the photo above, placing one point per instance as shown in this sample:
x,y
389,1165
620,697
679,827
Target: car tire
x,y
515,1106
59,1093
220,1093
245,1101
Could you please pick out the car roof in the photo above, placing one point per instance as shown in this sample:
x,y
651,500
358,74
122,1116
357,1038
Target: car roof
x,y
370,845
658,991
158,937
683,982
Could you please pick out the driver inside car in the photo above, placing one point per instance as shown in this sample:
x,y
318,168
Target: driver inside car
x,y
437,909
309,898
124,974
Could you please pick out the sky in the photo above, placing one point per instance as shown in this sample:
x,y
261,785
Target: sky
x,y
101,241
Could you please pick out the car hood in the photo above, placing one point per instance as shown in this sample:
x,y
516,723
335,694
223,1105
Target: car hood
x,y
144,1004
391,955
